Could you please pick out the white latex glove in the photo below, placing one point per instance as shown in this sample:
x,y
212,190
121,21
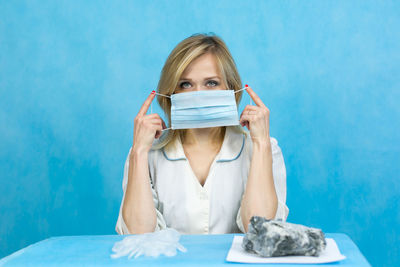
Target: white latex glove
x,y
150,244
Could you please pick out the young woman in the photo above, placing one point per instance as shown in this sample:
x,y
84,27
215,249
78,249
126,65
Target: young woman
x,y
201,180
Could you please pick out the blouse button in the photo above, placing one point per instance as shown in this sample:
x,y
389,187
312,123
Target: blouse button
x,y
203,195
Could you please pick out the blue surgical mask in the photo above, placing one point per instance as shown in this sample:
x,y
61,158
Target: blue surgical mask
x,y
203,109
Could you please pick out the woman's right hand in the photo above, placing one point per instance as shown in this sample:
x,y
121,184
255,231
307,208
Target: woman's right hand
x,y
146,127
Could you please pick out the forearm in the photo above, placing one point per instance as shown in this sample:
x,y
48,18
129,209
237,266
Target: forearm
x,y
138,208
260,197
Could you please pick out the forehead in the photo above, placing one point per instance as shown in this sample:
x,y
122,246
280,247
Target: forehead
x,y
203,66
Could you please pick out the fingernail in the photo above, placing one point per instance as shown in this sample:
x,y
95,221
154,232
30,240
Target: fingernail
x,y
246,85
153,92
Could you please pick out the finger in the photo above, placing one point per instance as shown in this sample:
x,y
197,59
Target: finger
x,y
157,124
161,124
246,117
255,97
151,116
154,119
146,104
251,107
156,116
158,129
158,121
245,120
248,108
245,124
252,112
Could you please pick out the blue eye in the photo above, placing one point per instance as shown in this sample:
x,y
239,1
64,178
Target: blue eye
x,y
212,83
184,85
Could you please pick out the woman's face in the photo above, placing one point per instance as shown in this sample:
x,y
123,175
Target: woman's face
x,y
201,74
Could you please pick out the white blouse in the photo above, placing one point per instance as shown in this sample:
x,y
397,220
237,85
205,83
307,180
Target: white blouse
x,y
183,204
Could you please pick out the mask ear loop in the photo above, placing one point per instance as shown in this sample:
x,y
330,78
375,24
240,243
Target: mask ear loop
x,y
151,109
251,102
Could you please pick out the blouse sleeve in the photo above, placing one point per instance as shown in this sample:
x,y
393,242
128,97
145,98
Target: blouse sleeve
x,y
279,174
121,227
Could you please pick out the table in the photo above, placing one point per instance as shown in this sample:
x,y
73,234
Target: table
x,y
203,250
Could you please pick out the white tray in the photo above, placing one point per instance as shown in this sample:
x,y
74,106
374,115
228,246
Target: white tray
x,y
238,254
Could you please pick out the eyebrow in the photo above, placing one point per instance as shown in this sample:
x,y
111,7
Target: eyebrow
x,y
208,78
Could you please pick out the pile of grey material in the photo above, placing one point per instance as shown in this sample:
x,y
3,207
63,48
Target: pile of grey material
x,y
271,238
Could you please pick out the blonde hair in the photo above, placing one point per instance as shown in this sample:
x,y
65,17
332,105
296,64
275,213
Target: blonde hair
x,y
181,56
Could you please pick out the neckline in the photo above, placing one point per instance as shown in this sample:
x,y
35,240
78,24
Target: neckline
x,y
231,149
206,182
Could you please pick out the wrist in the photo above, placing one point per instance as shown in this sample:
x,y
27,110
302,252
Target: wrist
x,y
262,146
261,142
138,151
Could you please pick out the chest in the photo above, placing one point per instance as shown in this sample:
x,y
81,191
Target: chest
x,y
200,161
191,207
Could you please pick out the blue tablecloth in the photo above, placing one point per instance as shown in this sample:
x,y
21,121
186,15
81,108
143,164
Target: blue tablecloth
x,y
205,250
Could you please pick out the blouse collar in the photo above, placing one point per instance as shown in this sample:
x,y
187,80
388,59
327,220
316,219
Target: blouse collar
x,y
231,148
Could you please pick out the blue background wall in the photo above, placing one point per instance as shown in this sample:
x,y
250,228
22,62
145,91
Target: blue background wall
x,y
73,76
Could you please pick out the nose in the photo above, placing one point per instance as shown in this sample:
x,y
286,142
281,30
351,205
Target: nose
x,y
197,87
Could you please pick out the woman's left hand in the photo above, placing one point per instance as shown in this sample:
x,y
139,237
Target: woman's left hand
x,y
256,119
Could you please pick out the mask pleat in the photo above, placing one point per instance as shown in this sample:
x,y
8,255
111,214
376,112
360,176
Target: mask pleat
x,y
207,108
